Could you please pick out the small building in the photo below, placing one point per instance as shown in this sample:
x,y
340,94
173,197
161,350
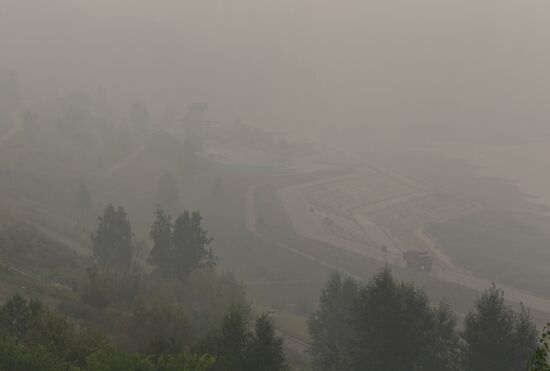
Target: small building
x,y
419,260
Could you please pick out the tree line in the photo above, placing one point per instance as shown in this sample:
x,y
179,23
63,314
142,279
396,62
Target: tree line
x,y
32,338
179,247
386,324
171,311
174,314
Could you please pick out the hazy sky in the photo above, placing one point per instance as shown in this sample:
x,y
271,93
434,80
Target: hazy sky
x,y
384,68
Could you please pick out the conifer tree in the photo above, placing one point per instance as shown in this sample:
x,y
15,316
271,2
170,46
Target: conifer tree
x,y
112,241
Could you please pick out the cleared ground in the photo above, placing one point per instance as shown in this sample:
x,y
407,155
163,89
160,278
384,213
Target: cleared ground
x,y
380,215
372,212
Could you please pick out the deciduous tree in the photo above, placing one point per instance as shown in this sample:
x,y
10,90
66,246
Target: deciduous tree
x,y
497,338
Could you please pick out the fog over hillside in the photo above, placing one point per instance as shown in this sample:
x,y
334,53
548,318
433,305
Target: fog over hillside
x,y
274,185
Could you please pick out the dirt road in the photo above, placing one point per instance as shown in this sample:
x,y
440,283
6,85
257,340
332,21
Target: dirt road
x,y
251,227
306,225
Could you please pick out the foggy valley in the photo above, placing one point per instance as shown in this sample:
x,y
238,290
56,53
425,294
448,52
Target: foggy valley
x,y
264,185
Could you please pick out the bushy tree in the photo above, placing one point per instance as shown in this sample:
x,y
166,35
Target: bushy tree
x,y
31,334
162,235
230,344
445,350
112,240
540,360
237,348
496,337
209,296
34,339
265,349
330,325
159,329
191,244
525,337
18,315
14,355
383,325
395,327
186,362
116,360
31,322
103,287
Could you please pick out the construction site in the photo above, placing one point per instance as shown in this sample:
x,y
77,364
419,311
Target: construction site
x,y
376,213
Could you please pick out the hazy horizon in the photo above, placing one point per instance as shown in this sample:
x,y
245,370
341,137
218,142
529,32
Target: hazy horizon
x,y
422,70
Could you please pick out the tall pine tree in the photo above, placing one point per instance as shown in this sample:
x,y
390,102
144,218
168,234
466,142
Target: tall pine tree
x,y
330,325
112,241
181,247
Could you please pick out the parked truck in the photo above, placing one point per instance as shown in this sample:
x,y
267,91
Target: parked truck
x,y
419,260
